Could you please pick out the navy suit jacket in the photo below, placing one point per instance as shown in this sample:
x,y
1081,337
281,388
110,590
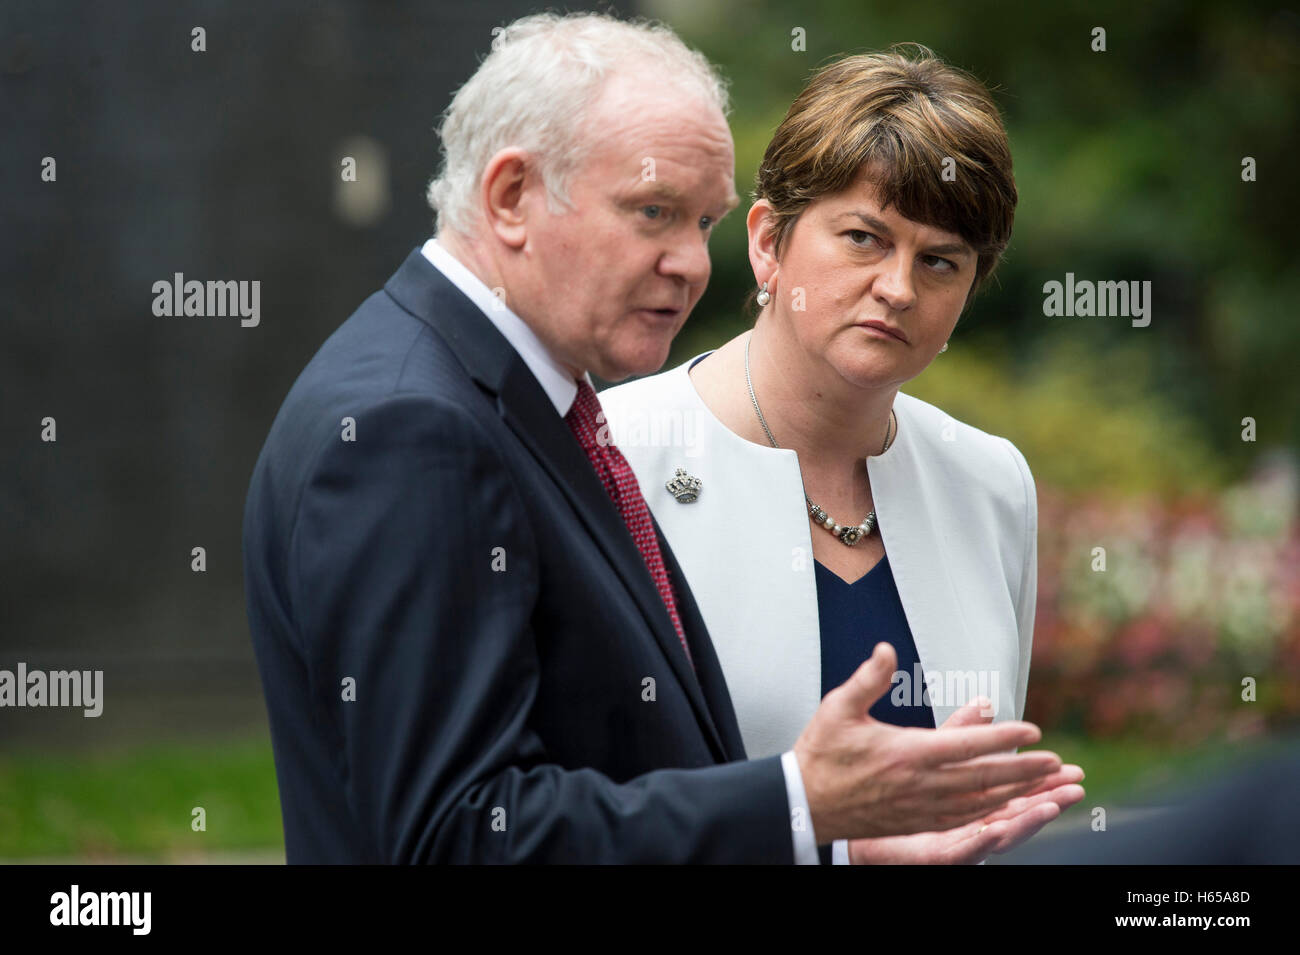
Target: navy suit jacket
x,y
455,631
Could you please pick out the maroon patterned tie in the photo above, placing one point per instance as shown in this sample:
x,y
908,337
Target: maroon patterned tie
x,y
587,422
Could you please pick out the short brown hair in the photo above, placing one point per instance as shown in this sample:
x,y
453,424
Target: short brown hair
x,y
899,117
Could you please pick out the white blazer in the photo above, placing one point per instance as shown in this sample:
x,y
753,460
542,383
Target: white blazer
x,y
958,514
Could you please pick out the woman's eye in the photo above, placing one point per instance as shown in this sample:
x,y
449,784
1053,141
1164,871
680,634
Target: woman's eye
x,y
943,265
859,237
706,223
652,212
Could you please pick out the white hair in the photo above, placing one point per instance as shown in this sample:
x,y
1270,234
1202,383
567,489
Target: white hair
x,y
534,91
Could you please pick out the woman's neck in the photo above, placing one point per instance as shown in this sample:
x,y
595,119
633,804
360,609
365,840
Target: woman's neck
x,y
829,422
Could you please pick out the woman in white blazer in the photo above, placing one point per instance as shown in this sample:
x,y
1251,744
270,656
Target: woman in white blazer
x,y
815,508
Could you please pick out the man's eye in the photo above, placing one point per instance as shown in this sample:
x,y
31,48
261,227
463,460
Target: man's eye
x,y
652,212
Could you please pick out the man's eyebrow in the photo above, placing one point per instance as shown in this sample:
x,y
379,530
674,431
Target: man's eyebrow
x,y
948,248
656,190
662,190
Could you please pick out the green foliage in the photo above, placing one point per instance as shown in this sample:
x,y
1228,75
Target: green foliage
x,y
1128,165
1084,421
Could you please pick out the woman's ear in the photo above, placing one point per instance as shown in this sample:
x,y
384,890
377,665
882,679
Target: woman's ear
x,y
762,243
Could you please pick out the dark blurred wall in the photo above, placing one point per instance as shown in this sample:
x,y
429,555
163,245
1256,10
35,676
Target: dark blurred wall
x,y
223,164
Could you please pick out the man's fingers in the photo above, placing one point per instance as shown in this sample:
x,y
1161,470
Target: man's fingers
x,y
986,772
1025,825
954,811
1067,774
1066,796
955,820
960,808
966,742
972,714
973,842
869,682
1061,796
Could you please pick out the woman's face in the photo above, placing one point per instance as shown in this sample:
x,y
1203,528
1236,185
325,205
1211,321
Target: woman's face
x,y
848,265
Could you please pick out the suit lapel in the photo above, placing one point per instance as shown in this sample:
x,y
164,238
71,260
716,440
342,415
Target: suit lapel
x,y
524,406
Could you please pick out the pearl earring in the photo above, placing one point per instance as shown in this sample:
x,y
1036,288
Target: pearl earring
x,y
763,296
944,348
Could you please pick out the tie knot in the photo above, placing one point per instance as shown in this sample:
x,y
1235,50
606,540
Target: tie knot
x,y
586,419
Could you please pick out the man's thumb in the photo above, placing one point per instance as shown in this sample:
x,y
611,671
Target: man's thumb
x,y
975,713
870,681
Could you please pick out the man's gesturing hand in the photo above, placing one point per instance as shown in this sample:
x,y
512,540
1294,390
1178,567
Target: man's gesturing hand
x,y
864,778
999,831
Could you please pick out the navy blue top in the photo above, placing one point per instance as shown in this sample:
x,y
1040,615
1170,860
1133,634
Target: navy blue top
x,y
854,618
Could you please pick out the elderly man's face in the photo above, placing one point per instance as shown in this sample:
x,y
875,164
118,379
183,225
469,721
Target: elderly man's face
x,y
612,279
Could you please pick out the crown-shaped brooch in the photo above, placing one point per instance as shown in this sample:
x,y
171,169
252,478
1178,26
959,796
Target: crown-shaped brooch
x,y
684,487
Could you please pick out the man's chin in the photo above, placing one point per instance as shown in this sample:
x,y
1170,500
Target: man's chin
x,y
644,361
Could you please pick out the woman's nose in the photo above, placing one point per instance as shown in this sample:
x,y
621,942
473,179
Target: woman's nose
x,y
893,284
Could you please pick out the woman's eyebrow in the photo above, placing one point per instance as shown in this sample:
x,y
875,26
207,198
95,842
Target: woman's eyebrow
x,y
871,221
948,248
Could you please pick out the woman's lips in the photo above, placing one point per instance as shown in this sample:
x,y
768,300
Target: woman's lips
x,y
881,330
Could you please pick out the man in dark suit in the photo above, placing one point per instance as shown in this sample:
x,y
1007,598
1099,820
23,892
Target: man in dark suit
x,y
474,643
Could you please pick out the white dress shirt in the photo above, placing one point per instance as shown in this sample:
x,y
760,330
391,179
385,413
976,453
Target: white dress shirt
x,y
550,374
562,389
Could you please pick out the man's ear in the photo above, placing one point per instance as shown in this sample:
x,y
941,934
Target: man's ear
x,y
507,178
762,243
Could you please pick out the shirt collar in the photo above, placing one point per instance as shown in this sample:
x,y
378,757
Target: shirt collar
x,y
555,380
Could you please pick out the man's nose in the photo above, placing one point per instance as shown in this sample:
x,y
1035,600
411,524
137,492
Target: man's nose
x,y
687,258
894,282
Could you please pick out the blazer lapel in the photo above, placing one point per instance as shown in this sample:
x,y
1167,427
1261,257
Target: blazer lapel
x,y
524,406
707,667
910,510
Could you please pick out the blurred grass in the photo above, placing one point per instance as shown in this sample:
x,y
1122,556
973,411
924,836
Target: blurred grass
x,y
136,803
